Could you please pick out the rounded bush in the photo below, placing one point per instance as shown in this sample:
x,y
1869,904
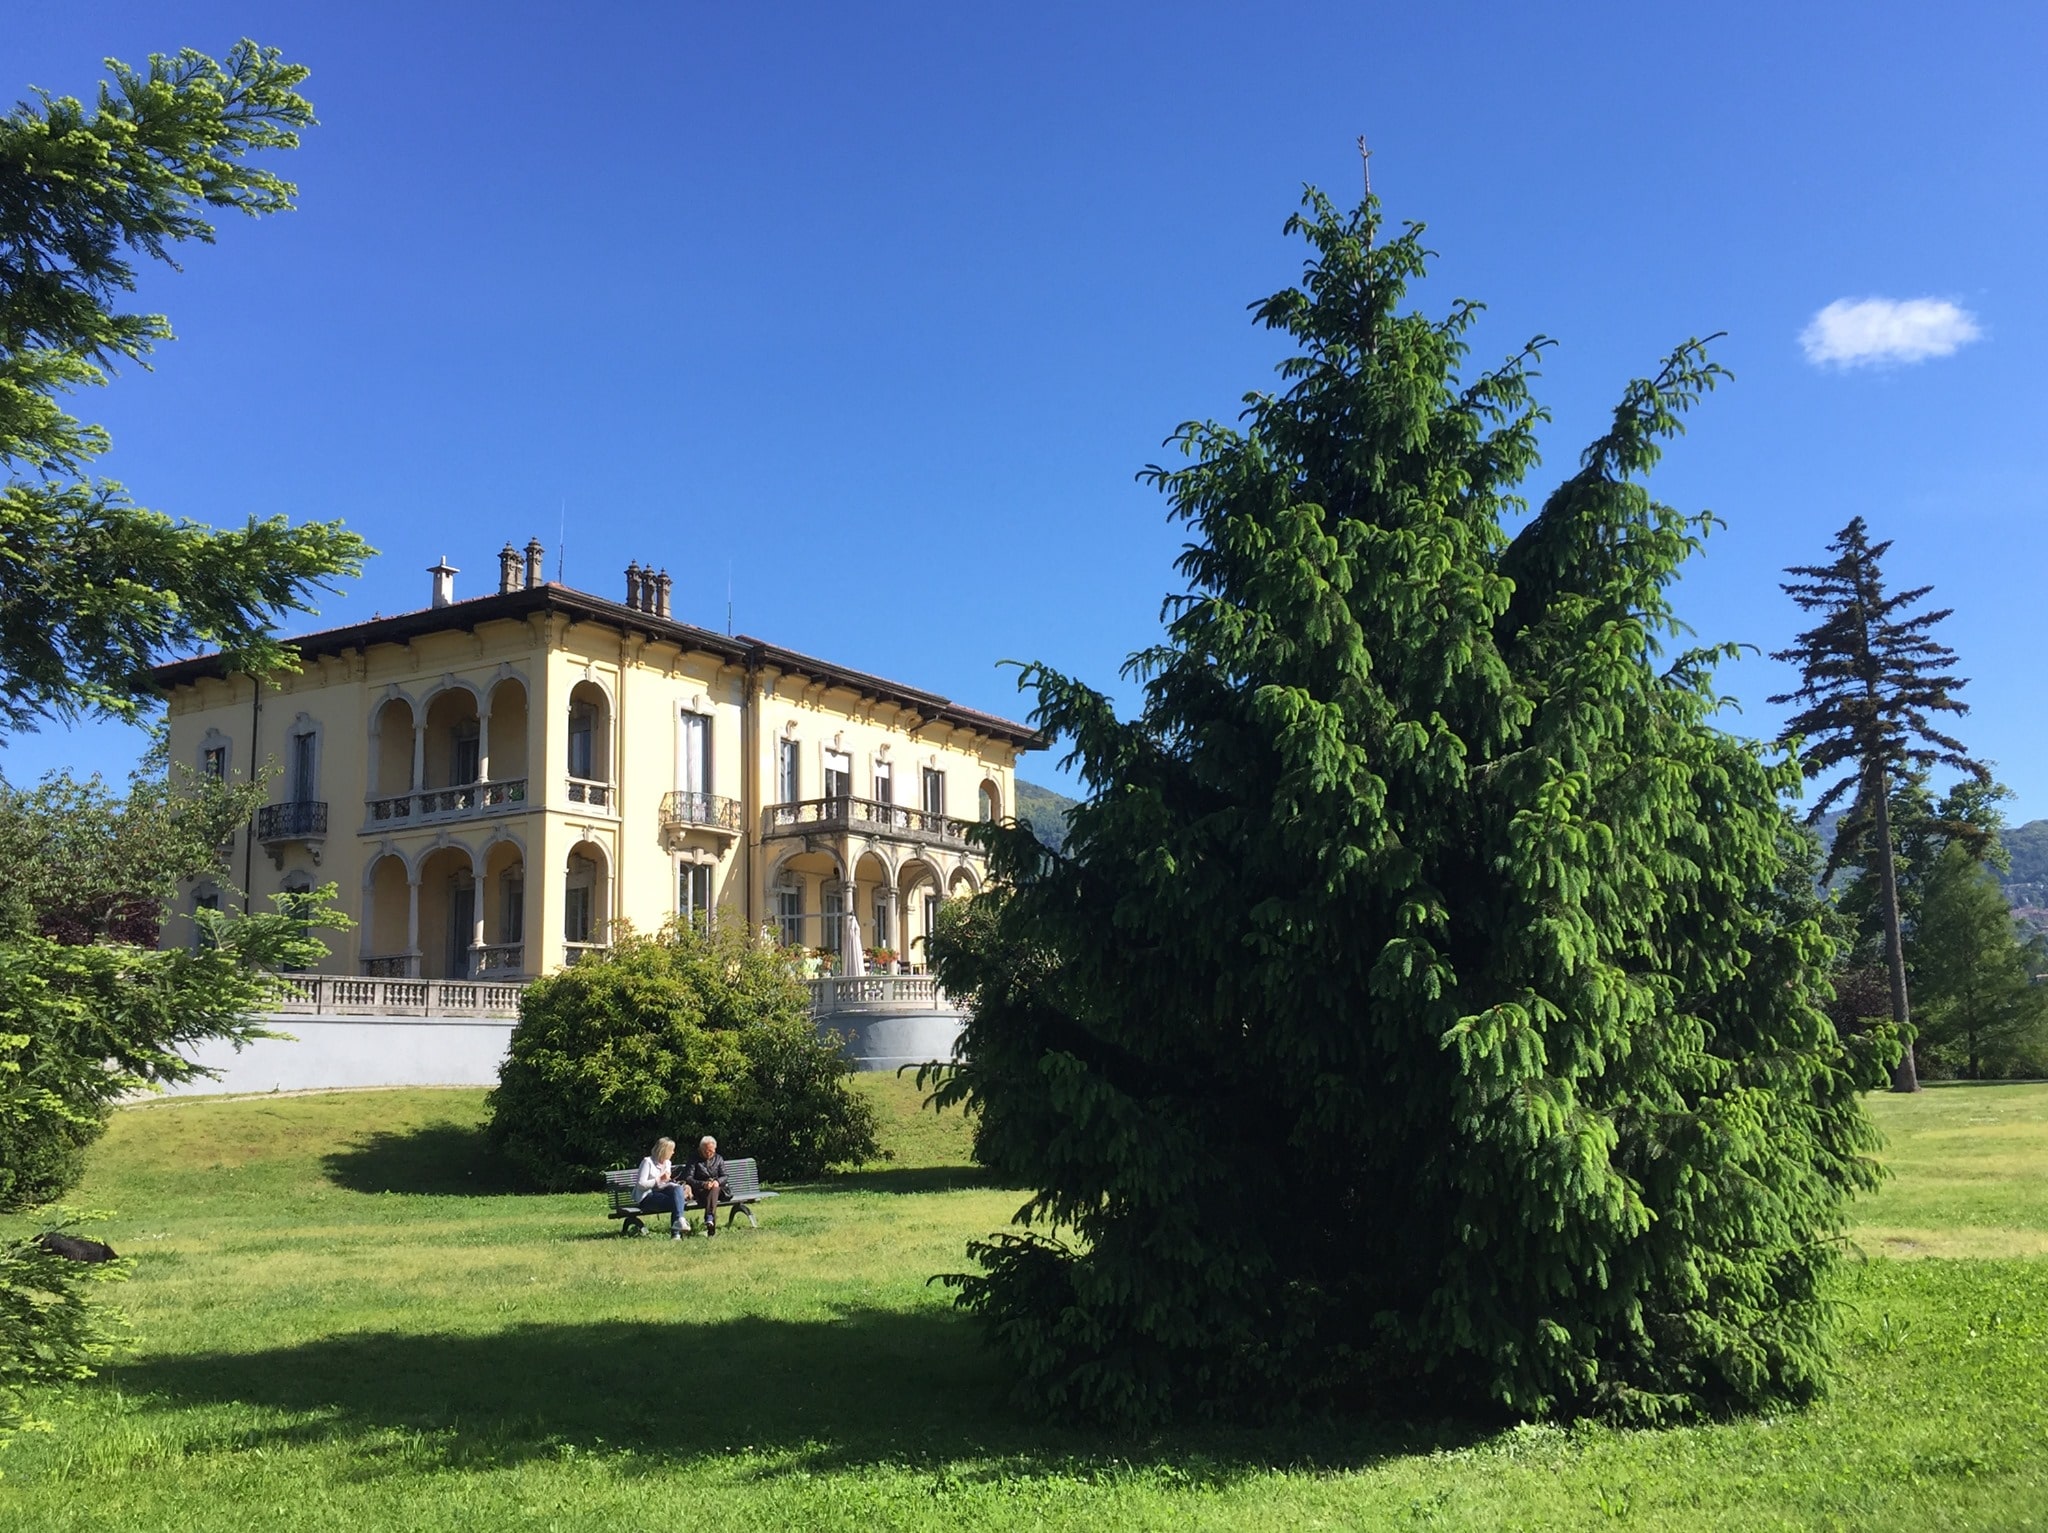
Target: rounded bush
x,y
679,1035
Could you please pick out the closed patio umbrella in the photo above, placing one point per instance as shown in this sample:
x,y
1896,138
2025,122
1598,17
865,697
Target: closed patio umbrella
x,y
852,958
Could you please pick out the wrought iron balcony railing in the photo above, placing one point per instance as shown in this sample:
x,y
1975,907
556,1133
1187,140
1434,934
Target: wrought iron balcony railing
x,y
703,810
291,822
867,816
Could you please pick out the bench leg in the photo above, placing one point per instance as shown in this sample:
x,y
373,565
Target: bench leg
x,y
631,1226
748,1210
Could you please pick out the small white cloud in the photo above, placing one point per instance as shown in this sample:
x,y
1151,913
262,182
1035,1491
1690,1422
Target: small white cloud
x,y
1855,332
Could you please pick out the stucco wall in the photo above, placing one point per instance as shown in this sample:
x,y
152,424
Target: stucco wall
x,y
326,1052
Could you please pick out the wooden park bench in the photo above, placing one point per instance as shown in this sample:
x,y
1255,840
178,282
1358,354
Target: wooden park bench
x,y
742,1189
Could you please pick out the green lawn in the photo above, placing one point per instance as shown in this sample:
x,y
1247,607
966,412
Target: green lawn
x,y
343,1318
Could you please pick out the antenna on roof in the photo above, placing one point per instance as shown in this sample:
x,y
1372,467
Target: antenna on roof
x,y
562,542
728,598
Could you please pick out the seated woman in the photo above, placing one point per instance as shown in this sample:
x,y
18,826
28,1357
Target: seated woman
x,y
660,1190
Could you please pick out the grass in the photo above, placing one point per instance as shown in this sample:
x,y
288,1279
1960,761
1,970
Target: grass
x,y
343,1316
1970,1173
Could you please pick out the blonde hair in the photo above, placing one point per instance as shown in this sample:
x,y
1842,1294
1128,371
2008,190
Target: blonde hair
x,y
663,1144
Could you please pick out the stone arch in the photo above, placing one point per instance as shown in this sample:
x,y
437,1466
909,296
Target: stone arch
x,y
385,940
507,720
448,875
450,682
393,721
591,711
586,898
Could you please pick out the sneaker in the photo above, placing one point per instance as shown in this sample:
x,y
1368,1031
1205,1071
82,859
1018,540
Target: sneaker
x,y
710,1229
674,1233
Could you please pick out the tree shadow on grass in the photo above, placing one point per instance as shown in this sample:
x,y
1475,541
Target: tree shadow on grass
x,y
866,1387
907,1179
433,1160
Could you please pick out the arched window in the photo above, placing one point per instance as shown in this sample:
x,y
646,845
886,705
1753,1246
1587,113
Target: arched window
x,y
297,902
991,802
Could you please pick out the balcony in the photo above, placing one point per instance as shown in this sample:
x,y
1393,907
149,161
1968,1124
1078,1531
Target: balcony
x,y
277,825
591,793
867,817
500,958
433,806
685,811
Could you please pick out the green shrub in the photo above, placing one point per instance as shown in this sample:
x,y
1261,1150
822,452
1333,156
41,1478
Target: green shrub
x,y
50,1334
681,1035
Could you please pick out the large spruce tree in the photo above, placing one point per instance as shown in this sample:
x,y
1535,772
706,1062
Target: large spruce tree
x,y
1872,679
1417,1015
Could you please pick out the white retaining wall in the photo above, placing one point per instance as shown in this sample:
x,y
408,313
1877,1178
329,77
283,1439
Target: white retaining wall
x,y
327,1051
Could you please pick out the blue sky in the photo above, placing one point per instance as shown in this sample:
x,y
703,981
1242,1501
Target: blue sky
x,y
880,307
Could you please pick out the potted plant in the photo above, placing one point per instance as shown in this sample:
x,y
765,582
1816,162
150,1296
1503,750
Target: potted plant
x,y
881,960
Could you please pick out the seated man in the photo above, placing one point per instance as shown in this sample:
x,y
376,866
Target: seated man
x,y
660,1190
706,1177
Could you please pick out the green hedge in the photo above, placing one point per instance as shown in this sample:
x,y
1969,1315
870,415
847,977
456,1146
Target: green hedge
x,y
682,1034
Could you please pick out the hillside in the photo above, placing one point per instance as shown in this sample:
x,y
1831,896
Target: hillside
x,y
2026,885
1046,810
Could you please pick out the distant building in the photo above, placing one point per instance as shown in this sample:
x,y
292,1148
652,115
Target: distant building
x,y
493,783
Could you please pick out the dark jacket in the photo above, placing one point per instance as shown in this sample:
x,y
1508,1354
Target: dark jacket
x,y
712,1170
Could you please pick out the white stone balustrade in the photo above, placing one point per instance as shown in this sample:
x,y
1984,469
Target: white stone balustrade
x,y
345,995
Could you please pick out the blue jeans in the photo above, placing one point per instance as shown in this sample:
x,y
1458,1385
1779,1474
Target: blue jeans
x,y
674,1198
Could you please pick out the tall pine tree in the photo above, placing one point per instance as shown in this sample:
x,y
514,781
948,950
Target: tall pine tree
x,y
1872,679
1421,1011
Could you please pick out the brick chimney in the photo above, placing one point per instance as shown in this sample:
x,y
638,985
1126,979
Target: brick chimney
x,y
508,569
662,586
536,558
633,585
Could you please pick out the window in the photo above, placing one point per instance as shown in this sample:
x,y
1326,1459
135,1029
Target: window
x,y
205,899
465,757
693,893
989,807
512,908
305,779
791,782
885,784
835,920
582,741
879,937
789,915
214,762
934,791
931,922
462,933
693,754
838,774
579,904
296,905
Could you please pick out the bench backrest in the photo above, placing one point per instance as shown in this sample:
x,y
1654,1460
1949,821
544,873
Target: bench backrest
x,y
743,1180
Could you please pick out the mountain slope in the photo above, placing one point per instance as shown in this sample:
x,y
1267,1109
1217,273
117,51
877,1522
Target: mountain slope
x,y
1046,810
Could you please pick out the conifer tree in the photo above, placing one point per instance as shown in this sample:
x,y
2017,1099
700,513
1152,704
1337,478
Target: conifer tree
x,y
1871,681
1421,1012
1981,1012
93,588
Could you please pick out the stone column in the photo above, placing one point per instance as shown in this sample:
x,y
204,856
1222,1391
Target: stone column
x,y
419,755
483,743
412,925
476,933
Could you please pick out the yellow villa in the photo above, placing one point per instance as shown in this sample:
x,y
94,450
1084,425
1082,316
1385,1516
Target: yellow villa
x,y
492,783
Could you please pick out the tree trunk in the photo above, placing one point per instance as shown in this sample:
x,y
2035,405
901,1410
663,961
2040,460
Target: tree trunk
x,y
1905,1077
